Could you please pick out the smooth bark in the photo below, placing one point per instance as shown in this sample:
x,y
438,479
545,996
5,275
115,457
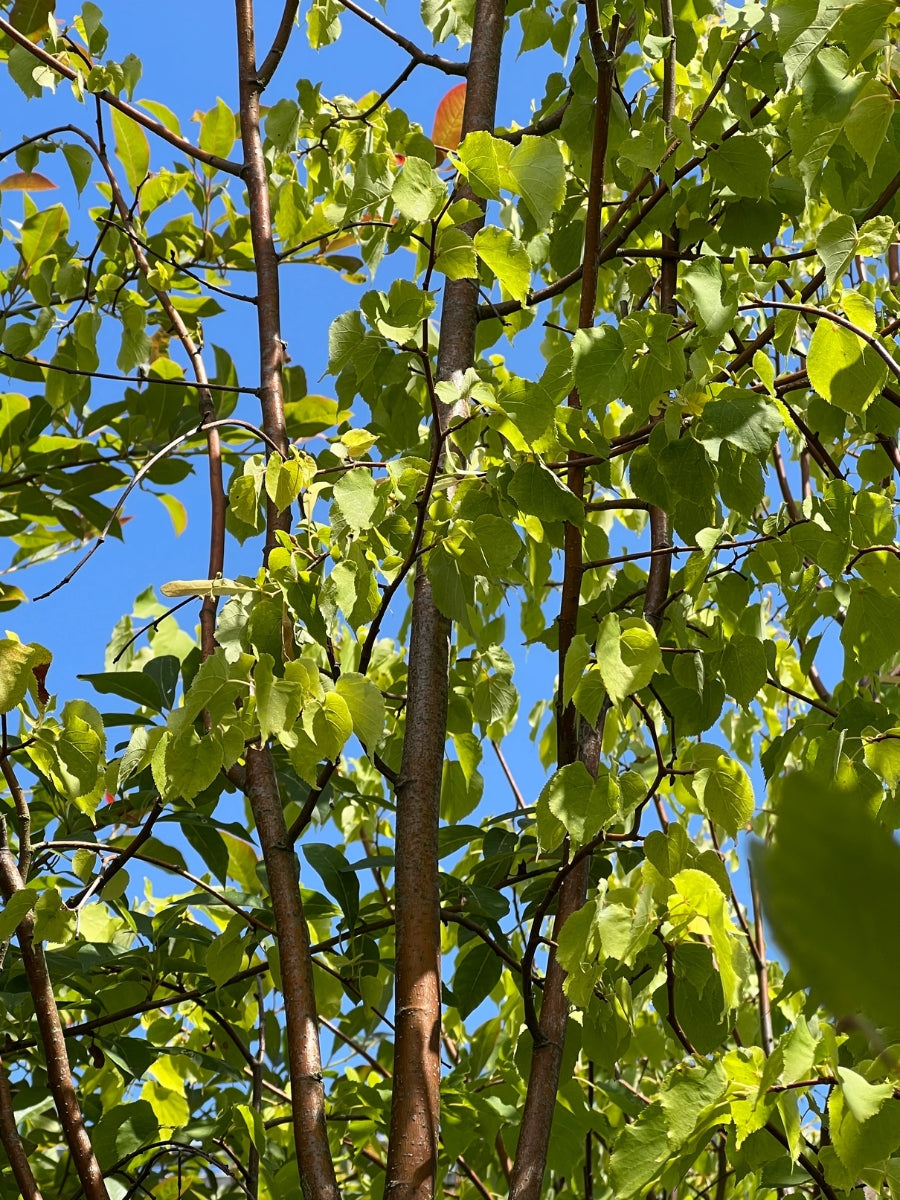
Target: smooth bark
x,y
415,1106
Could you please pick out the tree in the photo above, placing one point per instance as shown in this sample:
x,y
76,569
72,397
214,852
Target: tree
x,y
364,968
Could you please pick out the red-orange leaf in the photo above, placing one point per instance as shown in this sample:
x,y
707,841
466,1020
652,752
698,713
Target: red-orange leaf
x,y
26,181
448,121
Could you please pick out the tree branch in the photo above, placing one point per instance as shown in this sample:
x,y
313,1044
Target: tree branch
x,y
317,1176
12,1143
59,1072
268,307
543,1080
279,44
415,1103
136,115
415,52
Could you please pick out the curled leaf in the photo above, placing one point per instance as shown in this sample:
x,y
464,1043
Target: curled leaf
x,y
26,181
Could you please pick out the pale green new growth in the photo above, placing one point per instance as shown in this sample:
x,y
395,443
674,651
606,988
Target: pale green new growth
x,y
207,587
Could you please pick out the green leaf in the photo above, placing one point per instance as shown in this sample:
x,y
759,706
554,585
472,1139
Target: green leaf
x,y
340,880
798,1047
31,17
704,281
564,799
80,163
696,893
867,633
600,363
836,245
628,655
332,725
802,27
829,856
53,921
863,1099
868,123
191,764
132,148
640,1152
455,254
177,513
41,233
883,757
17,906
366,707
744,668
726,793
538,174
17,670
743,165
131,685
538,492
578,656
286,478
278,701
418,191
170,1106
861,23
529,407
124,1129
751,423
507,258
860,1144
842,368
484,161
355,492
217,132
477,973
282,123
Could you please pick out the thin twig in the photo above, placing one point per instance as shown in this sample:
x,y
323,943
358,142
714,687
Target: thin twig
x,y
140,118
118,861
415,52
279,44
142,473
520,799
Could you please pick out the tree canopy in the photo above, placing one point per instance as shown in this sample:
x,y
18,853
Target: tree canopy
x,y
619,387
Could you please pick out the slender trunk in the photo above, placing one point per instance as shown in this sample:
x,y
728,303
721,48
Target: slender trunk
x,y
415,1105
317,1176
572,743
268,302
59,1071
12,1143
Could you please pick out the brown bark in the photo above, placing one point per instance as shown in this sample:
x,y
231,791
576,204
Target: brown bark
x,y
317,1177
415,1105
59,1071
268,302
12,1143
543,1079
314,1161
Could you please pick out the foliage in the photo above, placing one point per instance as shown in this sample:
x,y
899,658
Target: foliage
x,y
688,500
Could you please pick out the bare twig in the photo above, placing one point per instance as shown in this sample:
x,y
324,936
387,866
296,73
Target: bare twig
x,y
135,114
416,53
118,861
279,44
